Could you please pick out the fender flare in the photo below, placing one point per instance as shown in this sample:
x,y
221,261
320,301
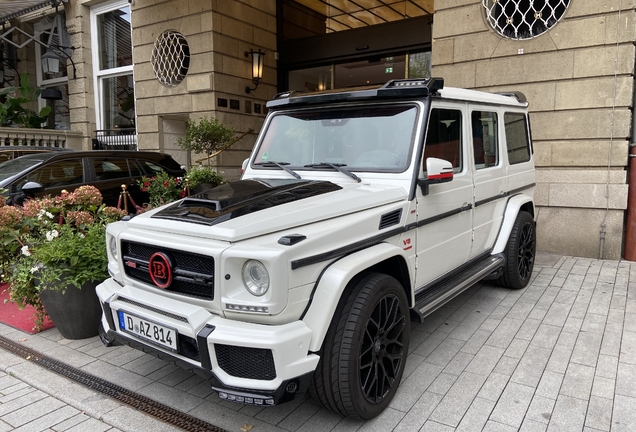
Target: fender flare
x,y
512,210
334,280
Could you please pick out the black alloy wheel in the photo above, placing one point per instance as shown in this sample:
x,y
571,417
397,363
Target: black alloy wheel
x,y
520,253
364,352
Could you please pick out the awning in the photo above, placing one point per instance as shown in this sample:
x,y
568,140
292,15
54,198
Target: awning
x,y
10,9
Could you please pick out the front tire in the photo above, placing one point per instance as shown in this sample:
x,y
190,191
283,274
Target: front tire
x,y
520,253
365,349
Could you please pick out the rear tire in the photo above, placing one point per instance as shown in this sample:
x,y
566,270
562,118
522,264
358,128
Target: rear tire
x,y
520,253
365,349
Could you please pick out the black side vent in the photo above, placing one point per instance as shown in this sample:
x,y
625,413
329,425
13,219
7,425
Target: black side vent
x,y
390,219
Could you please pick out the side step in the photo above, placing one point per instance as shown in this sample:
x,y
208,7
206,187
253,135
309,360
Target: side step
x,y
434,296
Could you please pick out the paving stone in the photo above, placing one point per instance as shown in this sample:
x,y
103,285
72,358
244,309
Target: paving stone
x,y
578,381
531,366
485,360
587,348
532,426
429,344
505,333
493,387
416,339
20,402
624,380
477,415
412,362
594,323
458,364
420,412
606,366
624,414
603,387
32,411
550,384
411,390
511,407
70,422
458,399
442,384
493,426
540,409
546,336
476,341
557,314
445,351
573,281
506,366
568,415
611,344
431,426
517,348
599,413
52,419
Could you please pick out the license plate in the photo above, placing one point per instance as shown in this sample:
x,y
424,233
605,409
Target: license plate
x,y
143,328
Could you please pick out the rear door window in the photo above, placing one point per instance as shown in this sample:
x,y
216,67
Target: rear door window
x,y
517,140
110,168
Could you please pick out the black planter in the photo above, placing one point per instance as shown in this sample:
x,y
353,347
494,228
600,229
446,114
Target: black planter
x,y
76,313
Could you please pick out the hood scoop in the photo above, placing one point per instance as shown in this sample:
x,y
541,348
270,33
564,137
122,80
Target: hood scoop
x,y
242,197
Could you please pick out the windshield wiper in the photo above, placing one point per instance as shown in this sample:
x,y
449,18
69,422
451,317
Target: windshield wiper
x,y
337,167
280,165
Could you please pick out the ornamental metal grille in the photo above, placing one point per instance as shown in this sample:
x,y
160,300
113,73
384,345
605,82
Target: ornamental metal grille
x,y
170,58
524,19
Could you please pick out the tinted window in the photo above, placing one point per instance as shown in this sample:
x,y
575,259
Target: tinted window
x,y
485,143
517,138
16,166
111,168
56,174
444,137
151,168
135,170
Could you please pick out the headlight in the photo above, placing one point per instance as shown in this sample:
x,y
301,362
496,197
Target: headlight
x,y
112,245
255,277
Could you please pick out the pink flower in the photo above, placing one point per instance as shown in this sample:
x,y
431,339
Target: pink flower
x,y
86,195
80,217
10,216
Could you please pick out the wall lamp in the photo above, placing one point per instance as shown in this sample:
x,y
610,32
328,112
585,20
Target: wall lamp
x,y
51,61
257,68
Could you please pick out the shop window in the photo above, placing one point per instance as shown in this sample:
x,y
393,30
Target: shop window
x,y
524,19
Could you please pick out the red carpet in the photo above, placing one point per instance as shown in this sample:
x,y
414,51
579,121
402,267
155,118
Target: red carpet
x,y
16,318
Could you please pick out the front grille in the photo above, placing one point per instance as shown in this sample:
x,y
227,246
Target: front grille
x,y
242,362
193,274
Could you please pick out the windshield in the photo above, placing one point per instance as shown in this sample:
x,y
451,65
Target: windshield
x,y
362,139
16,166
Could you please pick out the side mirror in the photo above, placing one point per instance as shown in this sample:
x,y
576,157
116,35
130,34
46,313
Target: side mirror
x,y
438,170
31,188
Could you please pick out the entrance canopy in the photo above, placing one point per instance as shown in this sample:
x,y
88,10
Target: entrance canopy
x,y
10,9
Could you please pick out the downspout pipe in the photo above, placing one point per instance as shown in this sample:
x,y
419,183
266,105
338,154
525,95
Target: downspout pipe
x,y
630,220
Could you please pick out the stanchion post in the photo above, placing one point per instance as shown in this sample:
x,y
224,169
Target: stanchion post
x,y
124,194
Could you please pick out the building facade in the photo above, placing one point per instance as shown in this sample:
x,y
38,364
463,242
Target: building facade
x,y
144,67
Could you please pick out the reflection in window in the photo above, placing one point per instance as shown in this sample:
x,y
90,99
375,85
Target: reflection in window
x,y
420,65
311,79
371,139
485,139
444,137
113,29
118,102
517,138
108,169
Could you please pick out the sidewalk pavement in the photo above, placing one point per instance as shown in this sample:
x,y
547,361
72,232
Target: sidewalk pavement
x,y
559,355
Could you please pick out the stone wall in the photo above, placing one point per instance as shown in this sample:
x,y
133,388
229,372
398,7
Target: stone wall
x,y
218,33
580,111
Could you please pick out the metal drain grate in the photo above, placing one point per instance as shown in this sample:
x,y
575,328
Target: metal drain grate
x,y
130,398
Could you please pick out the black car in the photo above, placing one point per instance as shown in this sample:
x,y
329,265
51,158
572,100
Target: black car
x,y
12,152
50,173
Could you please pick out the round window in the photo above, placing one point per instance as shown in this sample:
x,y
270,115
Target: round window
x,y
170,58
524,19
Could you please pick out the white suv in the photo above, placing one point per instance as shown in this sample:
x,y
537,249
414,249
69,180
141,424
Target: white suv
x,y
358,211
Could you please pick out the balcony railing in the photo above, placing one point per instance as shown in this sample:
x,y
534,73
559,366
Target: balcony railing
x,y
10,136
115,139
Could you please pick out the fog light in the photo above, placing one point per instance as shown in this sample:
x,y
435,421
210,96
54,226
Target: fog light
x,y
292,387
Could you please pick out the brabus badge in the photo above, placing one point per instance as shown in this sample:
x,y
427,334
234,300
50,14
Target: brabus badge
x,y
160,269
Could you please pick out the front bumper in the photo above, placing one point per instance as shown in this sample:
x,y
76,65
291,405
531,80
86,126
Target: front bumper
x,y
244,362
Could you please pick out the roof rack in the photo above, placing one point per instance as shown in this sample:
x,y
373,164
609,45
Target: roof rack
x,y
515,94
419,87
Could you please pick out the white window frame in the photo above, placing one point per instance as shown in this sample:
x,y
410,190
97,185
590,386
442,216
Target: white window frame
x,y
40,80
98,74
